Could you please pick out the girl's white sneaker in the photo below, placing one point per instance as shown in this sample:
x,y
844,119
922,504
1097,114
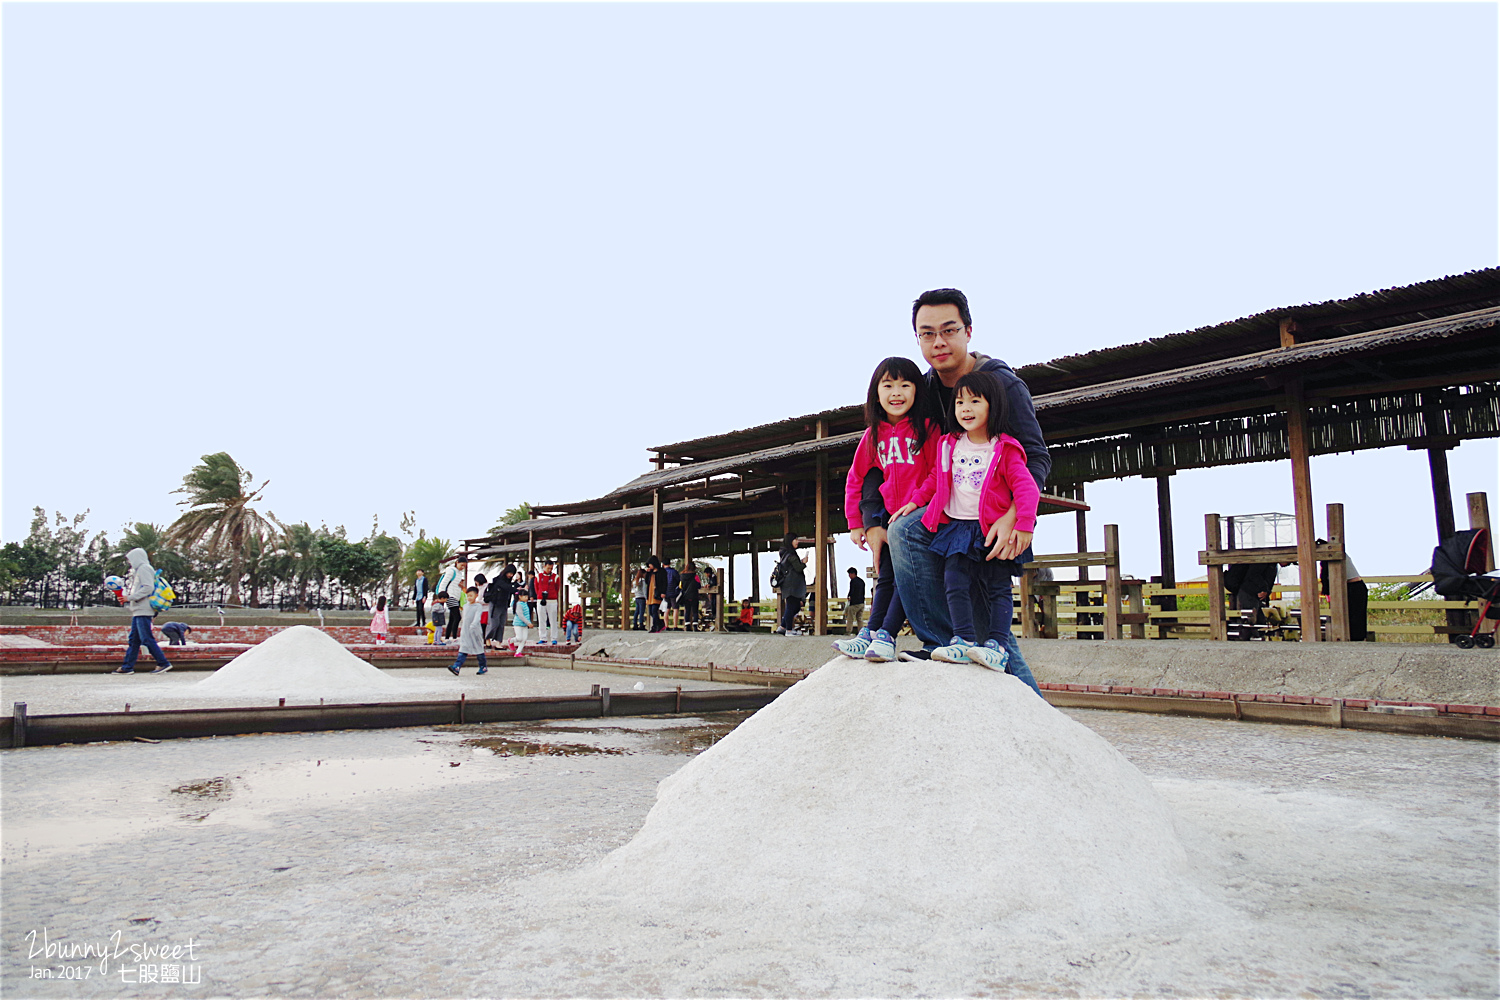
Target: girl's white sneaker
x,y
957,651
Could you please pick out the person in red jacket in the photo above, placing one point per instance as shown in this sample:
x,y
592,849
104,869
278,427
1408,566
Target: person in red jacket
x,y
897,452
547,587
982,504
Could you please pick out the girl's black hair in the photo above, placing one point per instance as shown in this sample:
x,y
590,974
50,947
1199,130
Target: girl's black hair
x,y
789,543
381,606
479,578
983,384
906,369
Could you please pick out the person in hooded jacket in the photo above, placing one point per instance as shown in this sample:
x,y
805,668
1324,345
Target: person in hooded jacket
x,y
941,321
139,586
498,595
790,577
688,586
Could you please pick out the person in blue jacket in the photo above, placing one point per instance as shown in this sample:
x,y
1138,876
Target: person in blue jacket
x,y
943,326
418,595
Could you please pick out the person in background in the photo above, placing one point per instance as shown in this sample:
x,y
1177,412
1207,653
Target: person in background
x,y
790,577
656,592
674,592
452,582
638,619
854,611
419,597
440,618
712,595
471,637
688,588
521,622
176,633
746,620
380,622
547,588
1358,596
139,586
499,594
1250,585
573,623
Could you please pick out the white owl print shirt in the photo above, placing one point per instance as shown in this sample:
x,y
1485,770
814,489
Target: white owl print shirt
x,y
970,464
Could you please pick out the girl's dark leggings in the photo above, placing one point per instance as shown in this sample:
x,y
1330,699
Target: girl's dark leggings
x,y
885,609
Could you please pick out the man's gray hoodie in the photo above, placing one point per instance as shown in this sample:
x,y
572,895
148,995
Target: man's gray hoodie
x,y
140,584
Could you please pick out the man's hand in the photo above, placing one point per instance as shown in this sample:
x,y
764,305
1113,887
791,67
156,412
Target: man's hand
x,y
905,509
1000,530
876,538
857,536
1011,546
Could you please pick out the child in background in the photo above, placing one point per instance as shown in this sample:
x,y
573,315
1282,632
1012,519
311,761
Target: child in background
x,y
521,622
898,450
380,623
471,635
982,503
176,633
573,621
440,618
746,620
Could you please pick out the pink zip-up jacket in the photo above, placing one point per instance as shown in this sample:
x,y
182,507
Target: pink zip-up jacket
x,y
1006,482
892,450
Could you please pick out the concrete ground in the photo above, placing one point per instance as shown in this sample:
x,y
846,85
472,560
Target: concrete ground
x,y
411,863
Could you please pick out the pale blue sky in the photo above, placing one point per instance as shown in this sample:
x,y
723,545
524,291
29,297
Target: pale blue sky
x,y
453,257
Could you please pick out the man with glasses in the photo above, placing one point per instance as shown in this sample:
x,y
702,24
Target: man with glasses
x,y
941,321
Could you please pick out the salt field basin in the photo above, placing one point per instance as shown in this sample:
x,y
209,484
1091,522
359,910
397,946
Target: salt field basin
x,y
440,862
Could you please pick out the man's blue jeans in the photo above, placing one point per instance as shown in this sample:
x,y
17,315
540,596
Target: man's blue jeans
x,y
140,635
919,581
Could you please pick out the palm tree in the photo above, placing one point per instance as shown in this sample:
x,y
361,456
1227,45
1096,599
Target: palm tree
x,y
427,555
302,558
219,516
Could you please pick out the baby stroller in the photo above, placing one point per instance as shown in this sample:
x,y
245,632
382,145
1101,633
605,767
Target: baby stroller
x,y
1458,574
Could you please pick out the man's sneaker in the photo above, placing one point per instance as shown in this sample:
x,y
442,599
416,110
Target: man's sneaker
x,y
123,670
990,655
957,651
452,670
915,655
853,647
163,669
778,630
882,648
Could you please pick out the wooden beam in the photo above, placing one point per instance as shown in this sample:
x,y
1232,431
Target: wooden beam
x,y
1442,492
1167,545
1338,579
1288,333
1282,554
1112,582
1218,626
656,522
820,543
1479,517
1082,528
627,592
1300,442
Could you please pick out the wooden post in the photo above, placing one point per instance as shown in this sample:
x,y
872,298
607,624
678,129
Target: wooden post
x,y
626,591
1082,523
1168,549
656,522
687,562
728,594
1288,333
1479,517
1442,492
1137,605
1300,442
754,574
1112,582
1218,627
530,554
1028,620
820,540
1338,579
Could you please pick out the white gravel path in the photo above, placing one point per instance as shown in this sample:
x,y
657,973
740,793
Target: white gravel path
x,y
1351,864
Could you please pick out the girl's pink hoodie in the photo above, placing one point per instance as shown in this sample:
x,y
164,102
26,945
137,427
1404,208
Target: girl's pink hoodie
x,y
1007,481
892,452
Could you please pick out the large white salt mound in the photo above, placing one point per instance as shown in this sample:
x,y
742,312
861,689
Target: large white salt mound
x,y
300,661
946,802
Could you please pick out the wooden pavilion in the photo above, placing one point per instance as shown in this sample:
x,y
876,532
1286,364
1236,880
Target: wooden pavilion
x,y
1416,366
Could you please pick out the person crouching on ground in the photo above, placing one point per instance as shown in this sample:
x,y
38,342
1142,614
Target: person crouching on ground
x,y
440,618
471,635
522,624
746,621
573,622
380,622
981,503
139,586
176,633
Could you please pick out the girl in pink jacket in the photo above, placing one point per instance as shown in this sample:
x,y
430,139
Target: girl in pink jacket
x,y
982,503
898,448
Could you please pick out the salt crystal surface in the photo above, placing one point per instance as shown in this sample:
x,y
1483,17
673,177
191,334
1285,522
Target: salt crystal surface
x,y
300,661
900,806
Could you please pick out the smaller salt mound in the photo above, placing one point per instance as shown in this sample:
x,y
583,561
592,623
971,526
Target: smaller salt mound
x,y
913,802
299,662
